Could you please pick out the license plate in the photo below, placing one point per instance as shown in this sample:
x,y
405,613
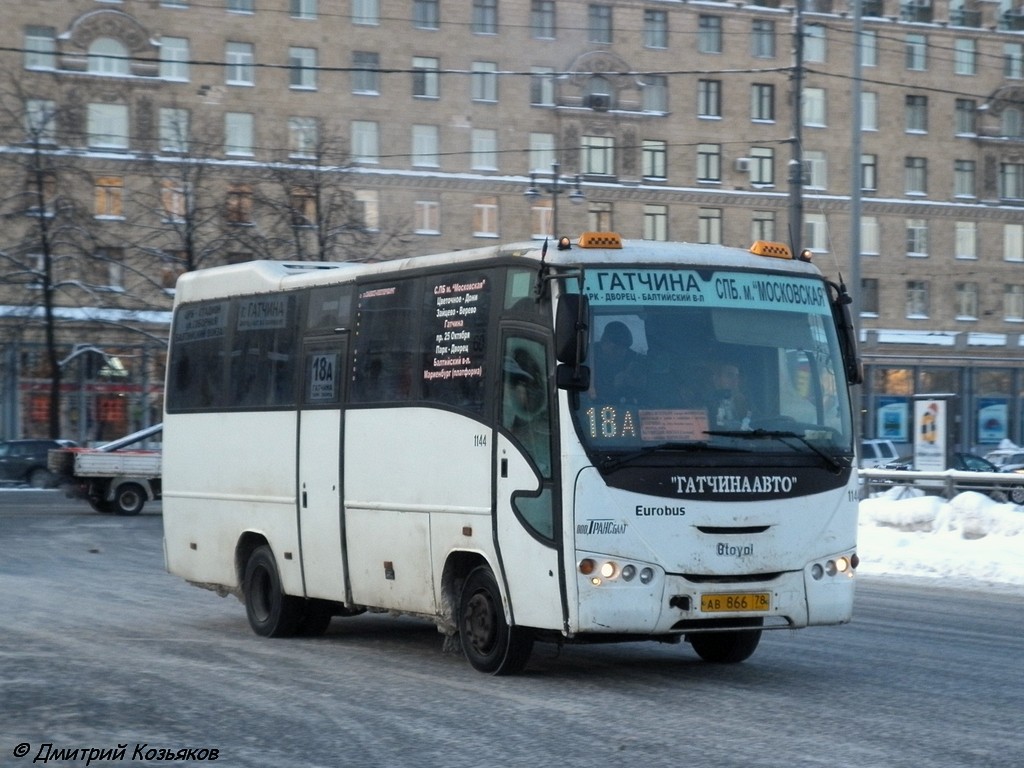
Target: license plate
x,y
736,602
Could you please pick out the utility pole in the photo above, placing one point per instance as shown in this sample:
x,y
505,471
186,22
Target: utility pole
x,y
855,166
796,163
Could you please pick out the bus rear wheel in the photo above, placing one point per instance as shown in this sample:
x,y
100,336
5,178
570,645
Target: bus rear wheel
x,y
271,613
490,644
726,647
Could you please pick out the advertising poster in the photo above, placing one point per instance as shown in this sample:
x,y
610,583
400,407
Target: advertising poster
x,y
892,416
930,435
993,413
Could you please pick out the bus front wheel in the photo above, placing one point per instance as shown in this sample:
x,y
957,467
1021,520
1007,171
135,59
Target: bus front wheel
x,y
490,644
726,647
271,613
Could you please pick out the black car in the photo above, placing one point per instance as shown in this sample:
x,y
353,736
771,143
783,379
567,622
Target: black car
x,y
24,461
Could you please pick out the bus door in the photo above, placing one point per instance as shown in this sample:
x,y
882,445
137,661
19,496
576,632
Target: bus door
x,y
526,505
321,532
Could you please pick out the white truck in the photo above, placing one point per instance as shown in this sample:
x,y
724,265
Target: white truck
x,y
109,478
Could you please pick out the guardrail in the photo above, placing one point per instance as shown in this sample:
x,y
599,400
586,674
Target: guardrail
x,y
1003,486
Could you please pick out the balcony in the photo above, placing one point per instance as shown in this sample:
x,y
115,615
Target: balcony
x,y
961,17
917,11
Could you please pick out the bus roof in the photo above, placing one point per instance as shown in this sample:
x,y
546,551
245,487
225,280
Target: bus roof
x,y
265,276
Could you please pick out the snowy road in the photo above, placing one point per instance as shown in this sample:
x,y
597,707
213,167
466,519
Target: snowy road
x,y
100,648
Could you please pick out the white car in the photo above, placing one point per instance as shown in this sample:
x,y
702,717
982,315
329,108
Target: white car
x,y
877,453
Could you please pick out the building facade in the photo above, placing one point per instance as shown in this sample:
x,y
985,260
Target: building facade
x,y
166,135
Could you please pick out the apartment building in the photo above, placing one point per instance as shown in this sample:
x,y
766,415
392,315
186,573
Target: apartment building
x,y
193,132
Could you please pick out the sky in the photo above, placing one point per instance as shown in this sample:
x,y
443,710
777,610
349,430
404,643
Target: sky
x,y
968,541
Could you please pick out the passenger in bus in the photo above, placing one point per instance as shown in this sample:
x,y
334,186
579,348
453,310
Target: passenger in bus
x,y
728,407
618,369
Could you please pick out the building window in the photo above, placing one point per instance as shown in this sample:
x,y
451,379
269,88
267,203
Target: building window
x,y
965,56
815,169
109,197
599,18
917,299
542,152
869,48
655,222
365,143
426,14
542,217
238,205
814,44
105,270
655,159
917,237
598,155
1013,303
302,68
599,217
967,301
762,39
816,232
916,112
485,17
368,202
814,107
174,199
238,133
303,207
655,29
424,146
484,84
762,166
870,236
1011,181
1011,123
916,50
174,56
1013,61
303,9
709,34
427,214
108,126
762,102
542,86
303,137
709,98
709,226
916,175
426,81
762,226
963,178
869,296
239,61
542,19
108,56
240,6
366,12
709,162
484,155
40,48
1013,242
40,121
485,217
965,241
365,72
869,173
174,128
869,111
655,94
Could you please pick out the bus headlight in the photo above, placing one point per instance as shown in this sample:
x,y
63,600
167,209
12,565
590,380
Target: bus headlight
x,y
628,572
646,575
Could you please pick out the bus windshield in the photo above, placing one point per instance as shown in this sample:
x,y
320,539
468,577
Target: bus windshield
x,y
726,359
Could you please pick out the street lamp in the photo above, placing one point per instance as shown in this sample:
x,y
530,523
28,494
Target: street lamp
x,y
553,188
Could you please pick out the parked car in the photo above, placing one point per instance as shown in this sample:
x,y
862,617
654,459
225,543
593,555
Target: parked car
x,y
1006,459
877,453
24,461
969,462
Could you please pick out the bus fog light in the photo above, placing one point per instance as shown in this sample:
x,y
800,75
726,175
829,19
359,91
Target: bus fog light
x,y
596,581
817,572
830,568
842,565
646,575
608,570
628,572
587,566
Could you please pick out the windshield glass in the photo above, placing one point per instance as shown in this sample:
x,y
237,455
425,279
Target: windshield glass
x,y
681,356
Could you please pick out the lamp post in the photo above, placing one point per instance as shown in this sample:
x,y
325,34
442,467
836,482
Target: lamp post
x,y
554,188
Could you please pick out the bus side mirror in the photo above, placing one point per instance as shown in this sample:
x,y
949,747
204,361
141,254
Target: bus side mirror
x,y
575,378
571,329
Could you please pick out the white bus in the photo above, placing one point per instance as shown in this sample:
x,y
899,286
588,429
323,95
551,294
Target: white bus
x,y
457,437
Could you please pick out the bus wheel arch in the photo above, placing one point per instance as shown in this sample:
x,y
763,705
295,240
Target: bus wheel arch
x,y
491,645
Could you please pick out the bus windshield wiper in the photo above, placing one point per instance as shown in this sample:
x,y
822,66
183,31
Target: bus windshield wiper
x,y
612,463
782,436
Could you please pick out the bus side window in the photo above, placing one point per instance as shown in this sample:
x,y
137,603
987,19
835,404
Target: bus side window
x,y
525,404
